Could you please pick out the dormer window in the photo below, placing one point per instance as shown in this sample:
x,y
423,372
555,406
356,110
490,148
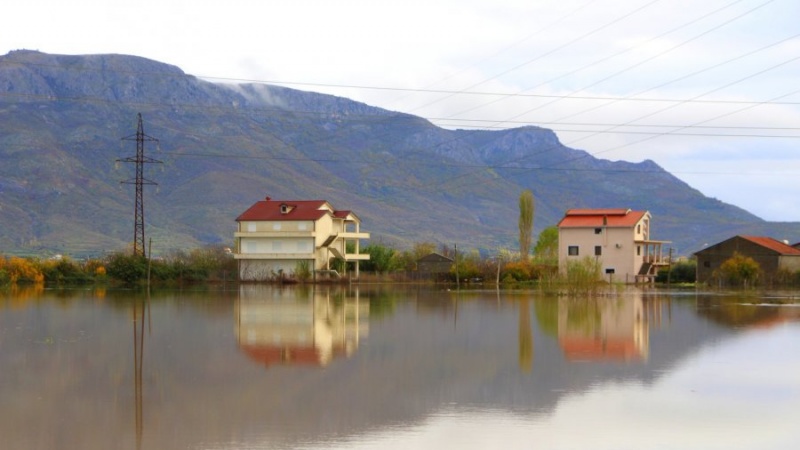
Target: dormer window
x,y
284,208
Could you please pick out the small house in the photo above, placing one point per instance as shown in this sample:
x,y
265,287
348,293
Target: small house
x,y
771,255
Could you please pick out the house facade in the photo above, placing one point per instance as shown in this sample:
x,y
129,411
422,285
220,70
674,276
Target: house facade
x,y
274,237
618,238
770,254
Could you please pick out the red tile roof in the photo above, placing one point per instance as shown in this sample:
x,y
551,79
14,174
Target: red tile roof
x,y
271,355
298,210
773,244
610,217
586,348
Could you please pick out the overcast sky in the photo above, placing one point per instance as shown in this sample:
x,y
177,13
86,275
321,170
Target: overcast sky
x,y
623,79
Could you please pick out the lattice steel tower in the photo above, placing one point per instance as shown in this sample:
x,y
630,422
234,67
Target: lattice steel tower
x,y
139,180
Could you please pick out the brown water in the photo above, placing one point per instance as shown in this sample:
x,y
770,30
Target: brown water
x,y
386,367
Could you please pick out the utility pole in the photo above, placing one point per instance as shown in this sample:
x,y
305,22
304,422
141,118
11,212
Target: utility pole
x,y
139,181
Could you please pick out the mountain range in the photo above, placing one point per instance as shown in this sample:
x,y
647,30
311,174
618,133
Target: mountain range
x,y
66,123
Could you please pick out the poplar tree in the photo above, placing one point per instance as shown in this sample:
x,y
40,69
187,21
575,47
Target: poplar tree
x,y
526,208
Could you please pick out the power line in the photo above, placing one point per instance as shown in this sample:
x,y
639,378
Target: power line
x,y
598,61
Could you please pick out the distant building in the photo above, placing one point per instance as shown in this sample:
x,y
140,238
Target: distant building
x,y
434,266
770,254
274,236
618,238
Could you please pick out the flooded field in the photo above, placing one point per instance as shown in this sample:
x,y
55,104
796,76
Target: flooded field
x,y
260,367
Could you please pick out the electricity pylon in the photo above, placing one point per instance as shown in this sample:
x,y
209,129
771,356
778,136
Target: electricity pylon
x,y
139,180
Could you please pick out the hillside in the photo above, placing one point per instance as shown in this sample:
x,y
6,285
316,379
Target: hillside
x,y
226,146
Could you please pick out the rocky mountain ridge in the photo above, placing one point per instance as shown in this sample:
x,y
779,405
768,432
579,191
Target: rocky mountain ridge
x,y
226,146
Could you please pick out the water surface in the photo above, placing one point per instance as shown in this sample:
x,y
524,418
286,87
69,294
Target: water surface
x,y
262,367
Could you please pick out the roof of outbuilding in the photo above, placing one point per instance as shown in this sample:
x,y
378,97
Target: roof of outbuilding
x,y
609,217
298,210
773,244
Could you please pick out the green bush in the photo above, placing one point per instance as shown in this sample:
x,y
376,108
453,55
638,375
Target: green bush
x,y
681,272
127,268
583,275
302,270
739,270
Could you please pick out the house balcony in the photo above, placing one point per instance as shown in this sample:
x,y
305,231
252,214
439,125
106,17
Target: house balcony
x,y
353,235
273,234
653,253
289,256
349,256
356,257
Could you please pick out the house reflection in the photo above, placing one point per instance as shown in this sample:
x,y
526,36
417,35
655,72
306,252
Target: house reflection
x,y
739,311
610,329
299,326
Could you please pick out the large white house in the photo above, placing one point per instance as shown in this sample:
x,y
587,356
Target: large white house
x,y
274,237
618,238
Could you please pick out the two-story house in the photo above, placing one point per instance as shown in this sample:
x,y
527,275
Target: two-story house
x,y
275,236
618,238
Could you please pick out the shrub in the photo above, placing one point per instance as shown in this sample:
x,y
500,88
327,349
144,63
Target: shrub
x,y
302,270
681,272
64,270
739,270
517,270
127,268
23,270
583,275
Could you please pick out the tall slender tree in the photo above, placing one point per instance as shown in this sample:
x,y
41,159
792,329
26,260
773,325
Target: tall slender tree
x,y
526,209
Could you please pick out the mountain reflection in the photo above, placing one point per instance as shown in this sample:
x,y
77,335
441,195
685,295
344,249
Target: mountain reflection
x,y
303,326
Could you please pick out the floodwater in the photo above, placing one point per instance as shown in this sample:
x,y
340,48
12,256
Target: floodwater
x,y
261,367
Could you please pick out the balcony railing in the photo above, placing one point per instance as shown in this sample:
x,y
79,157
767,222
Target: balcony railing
x,y
273,256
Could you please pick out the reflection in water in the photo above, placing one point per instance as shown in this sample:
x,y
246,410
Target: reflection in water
x,y
441,370
525,337
608,328
749,312
299,326
139,308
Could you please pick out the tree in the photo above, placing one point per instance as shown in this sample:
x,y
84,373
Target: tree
x,y
381,259
546,249
740,270
526,208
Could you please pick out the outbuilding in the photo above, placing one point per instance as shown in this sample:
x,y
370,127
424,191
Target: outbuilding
x,y
771,255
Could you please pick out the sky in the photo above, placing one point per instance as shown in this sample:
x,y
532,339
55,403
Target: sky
x,y
708,90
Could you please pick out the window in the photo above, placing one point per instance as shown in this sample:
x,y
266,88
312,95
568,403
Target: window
x,y
639,229
251,227
638,250
250,247
598,230
598,250
302,226
610,271
276,226
572,250
706,263
303,247
276,245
